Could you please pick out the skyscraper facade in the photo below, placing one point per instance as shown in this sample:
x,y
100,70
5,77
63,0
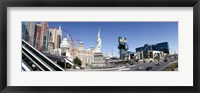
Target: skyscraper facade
x,y
25,35
38,37
44,35
151,51
30,27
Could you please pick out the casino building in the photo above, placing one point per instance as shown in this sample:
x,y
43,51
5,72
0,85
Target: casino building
x,y
154,51
85,55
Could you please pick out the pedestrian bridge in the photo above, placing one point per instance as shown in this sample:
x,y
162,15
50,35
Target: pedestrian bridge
x,y
34,60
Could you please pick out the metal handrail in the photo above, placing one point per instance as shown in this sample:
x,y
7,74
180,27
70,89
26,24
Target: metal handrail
x,y
35,63
38,59
25,67
42,55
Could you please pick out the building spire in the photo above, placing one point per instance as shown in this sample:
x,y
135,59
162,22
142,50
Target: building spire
x,y
59,27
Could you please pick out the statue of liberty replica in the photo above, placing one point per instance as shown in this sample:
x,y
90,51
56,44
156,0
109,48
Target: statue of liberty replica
x,y
98,55
99,42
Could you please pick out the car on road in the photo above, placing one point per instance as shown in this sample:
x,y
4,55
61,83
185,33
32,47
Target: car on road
x,y
148,68
166,59
140,67
157,64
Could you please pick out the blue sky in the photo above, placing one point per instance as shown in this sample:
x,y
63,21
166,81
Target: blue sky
x,y
137,33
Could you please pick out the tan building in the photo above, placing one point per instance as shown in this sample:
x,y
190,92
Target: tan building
x,y
86,56
52,40
55,38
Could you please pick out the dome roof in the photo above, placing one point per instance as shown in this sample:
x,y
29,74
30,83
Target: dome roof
x,y
64,43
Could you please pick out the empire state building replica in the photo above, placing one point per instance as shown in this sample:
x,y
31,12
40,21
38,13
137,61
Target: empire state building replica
x,y
98,55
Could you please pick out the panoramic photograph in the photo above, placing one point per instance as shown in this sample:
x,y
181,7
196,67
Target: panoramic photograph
x,y
99,46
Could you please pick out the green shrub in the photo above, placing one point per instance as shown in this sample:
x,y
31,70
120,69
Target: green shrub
x,y
171,67
77,61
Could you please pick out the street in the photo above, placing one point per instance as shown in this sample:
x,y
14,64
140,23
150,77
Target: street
x,y
143,66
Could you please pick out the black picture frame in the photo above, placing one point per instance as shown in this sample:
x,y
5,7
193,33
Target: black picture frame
x,y
98,3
